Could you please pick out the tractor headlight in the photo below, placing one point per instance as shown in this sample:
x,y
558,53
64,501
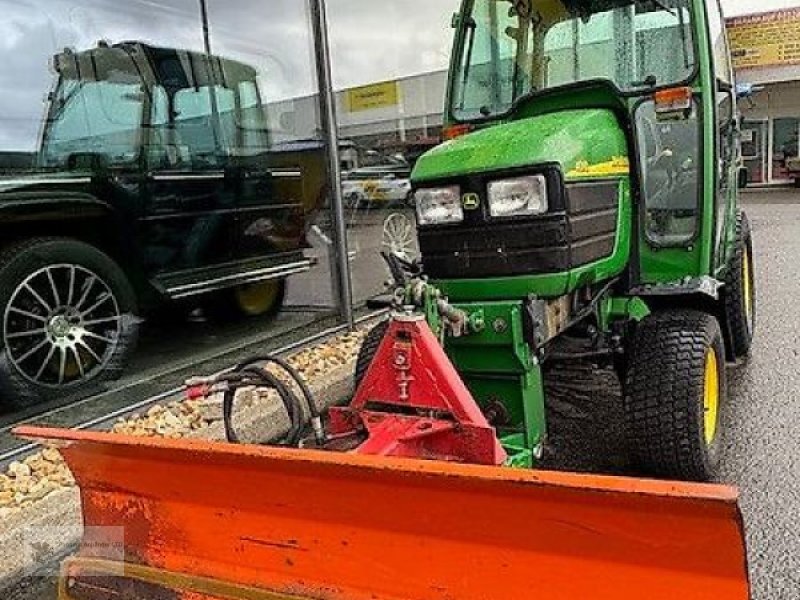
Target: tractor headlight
x,y
520,196
437,206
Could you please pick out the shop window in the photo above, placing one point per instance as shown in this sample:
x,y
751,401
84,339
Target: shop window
x,y
784,145
754,150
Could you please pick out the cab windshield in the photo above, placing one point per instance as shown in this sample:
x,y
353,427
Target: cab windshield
x,y
511,48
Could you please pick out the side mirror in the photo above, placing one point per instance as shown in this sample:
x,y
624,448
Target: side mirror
x,y
743,176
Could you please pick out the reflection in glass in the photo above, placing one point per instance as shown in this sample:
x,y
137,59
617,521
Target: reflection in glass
x,y
669,155
141,136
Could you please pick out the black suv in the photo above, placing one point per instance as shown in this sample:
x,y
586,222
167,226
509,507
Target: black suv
x,y
155,180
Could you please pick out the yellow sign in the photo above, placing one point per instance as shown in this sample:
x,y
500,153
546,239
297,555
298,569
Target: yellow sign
x,y
765,40
368,97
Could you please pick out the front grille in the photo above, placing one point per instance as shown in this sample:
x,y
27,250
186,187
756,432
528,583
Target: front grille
x,y
579,229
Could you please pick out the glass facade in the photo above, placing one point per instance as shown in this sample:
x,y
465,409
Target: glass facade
x,y
391,87
155,184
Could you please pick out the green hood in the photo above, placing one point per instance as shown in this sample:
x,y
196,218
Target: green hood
x,y
588,139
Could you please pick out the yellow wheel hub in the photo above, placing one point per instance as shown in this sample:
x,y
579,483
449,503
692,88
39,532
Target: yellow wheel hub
x,y
711,396
747,287
258,298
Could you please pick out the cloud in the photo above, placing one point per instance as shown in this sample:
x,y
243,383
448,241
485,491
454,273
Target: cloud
x,y
371,41
403,37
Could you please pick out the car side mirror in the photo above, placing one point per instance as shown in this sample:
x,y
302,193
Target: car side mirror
x,y
743,176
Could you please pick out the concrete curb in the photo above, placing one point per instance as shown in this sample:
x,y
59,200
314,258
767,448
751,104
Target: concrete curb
x,y
32,535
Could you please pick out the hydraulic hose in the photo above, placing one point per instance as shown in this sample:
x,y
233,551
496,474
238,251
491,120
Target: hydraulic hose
x,y
251,373
313,411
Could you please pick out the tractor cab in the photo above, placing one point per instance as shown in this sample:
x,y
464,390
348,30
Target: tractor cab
x,y
636,96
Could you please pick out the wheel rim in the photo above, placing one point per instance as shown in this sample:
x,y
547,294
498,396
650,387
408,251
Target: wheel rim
x,y
747,287
257,298
398,235
61,326
711,396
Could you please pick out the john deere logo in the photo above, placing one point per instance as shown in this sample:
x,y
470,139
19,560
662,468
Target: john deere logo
x,y
470,201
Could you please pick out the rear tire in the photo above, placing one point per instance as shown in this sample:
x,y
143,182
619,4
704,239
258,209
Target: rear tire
x,y
739,294
368,350
263,299
674,390
69,319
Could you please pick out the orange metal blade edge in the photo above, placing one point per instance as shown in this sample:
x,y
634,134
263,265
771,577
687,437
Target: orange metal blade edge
x,y
344,526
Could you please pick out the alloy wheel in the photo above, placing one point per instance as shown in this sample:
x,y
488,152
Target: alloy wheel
x,y
398,235
61,325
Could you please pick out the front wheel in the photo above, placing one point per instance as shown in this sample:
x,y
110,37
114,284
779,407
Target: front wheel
x,y
675,388
69,319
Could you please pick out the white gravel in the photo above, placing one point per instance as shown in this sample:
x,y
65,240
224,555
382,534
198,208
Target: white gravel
x,y
40,474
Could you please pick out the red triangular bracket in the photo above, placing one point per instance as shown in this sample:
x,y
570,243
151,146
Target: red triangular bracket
x,y
413,403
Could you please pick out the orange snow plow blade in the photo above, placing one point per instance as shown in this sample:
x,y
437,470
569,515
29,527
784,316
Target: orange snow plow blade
x,y
208,520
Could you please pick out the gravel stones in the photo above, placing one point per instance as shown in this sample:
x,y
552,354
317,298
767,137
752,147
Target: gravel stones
x,y
33,478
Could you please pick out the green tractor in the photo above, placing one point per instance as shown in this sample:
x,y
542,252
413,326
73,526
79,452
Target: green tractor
x,y
589,189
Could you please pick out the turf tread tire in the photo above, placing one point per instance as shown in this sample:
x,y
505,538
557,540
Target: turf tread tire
x,y
663,400
369,348
740,331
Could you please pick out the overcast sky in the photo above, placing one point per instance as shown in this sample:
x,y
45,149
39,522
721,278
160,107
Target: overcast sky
x,y
384,39
372,40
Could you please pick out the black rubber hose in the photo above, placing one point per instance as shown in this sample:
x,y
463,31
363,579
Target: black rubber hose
x,y
290,401
248,375
291,371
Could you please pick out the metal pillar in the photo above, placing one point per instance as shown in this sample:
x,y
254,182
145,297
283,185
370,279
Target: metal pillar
x,y
327,111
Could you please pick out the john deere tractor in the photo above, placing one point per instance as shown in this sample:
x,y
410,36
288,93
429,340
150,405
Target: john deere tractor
x,y
590,189
585,209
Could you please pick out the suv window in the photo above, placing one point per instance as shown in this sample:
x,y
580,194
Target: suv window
x,y
195,133
253,121
94,117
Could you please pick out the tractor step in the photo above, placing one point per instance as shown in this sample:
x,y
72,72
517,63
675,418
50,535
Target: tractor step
x,y
214,520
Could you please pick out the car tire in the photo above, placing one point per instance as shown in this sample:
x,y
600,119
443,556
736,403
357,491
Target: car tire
x,y
675,388
263,299
369,348
69,319
739,293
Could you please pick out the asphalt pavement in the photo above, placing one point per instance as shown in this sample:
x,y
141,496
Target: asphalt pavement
x,y
762,449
